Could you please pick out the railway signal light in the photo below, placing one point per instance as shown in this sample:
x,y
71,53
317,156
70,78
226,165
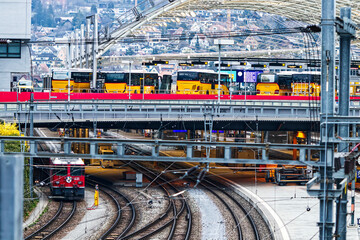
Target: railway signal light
x,y
154,63
199,63
355,66
222,65
160,62
294,66
185,64
313,65
277,64
258,65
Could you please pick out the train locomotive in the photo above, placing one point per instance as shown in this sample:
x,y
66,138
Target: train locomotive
x,y
67,178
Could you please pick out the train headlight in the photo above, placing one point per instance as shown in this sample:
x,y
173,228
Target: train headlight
x,y
57,182
80,182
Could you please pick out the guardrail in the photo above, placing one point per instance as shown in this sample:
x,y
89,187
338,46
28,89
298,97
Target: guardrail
x,y
155,146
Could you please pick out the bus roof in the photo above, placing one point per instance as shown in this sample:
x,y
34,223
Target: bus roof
x,y
132,71
198,70
72,70
295,72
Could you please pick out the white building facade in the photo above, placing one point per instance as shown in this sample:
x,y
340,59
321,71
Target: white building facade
x,y
15,33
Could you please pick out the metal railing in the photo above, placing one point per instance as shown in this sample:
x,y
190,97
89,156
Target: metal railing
x,y
121,147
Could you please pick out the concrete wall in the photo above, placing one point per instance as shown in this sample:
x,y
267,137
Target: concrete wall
x,y
15,19
13,65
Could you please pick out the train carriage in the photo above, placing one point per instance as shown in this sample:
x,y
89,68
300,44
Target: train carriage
x,y
67,178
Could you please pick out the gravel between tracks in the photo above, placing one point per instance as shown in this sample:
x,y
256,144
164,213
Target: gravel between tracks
x,y
146,212
212,219
93,221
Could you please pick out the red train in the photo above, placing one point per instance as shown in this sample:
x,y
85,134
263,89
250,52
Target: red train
x,y
67,178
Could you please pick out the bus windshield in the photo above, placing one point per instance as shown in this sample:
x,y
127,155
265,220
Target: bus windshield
x,y
267,78
81,77
151,79
189,76
115,78
306,78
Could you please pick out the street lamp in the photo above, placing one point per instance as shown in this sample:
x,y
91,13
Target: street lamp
x,y
220,42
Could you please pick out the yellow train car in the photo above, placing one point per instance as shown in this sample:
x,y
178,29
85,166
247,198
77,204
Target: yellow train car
x,y
201,82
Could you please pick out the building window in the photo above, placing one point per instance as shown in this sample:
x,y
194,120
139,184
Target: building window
x,y
11,49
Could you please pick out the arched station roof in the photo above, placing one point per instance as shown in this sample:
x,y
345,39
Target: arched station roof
x,y
308,11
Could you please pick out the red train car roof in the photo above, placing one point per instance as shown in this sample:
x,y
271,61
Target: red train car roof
x,y
65,161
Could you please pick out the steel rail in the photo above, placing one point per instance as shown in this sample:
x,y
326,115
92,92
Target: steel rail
x,y
118,217
46,224
248,216
184,205
63,223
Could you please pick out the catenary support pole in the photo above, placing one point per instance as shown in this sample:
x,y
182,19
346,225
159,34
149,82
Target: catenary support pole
x,y
82,45
327,109
87,42
344,97
11,197
76,45
32,145
219,73
95,50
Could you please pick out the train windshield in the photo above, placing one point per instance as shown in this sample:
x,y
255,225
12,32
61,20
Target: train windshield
x,y
115,77
188,76
81,77
76,171
61,171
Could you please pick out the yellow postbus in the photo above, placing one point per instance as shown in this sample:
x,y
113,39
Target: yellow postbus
x,y
80,80
201,82
274,84
306,84
123,82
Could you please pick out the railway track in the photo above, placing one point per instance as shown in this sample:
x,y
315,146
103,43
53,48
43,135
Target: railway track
x,y
176,206
56,223
122,223
249,223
